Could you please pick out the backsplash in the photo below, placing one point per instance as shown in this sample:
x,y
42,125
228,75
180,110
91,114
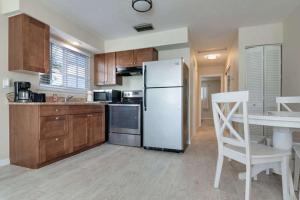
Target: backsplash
x,y
129,83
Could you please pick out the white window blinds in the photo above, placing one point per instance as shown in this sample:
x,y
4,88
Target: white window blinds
x,y
68,69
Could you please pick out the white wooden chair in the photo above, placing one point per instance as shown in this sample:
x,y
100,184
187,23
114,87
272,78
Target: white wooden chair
x,y
283,101
238,147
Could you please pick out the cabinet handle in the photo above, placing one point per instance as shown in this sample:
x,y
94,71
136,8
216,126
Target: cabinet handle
x,y
56,110
90,115
56,139
57,118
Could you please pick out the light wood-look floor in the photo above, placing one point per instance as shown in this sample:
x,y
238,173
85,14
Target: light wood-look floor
x,y
122,173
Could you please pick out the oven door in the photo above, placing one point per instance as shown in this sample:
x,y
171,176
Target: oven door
x,y
125,118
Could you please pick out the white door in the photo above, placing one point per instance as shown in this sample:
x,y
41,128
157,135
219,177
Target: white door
x,y
263,67
163,118
255,84
272,80
167,73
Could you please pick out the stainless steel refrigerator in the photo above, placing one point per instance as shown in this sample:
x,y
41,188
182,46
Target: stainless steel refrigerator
x,y
166,99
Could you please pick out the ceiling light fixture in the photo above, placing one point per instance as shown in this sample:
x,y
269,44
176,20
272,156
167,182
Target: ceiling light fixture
x,y
142,5
212,56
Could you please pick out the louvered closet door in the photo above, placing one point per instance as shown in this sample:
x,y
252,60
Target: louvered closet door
x,y
255,84
272,79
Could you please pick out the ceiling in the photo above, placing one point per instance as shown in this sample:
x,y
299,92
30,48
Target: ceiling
x,y
212,23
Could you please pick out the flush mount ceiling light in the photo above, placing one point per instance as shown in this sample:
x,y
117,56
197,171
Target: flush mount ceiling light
x,y
142,5
211,56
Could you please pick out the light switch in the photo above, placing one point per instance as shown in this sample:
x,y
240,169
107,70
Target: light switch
x,y
6,83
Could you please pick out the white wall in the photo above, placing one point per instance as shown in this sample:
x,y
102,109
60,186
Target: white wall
x,y
232,66
256,35
175,53
291,60
156,39
9,6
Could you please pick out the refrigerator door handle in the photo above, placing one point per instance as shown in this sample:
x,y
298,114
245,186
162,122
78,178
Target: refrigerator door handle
x,y
145,87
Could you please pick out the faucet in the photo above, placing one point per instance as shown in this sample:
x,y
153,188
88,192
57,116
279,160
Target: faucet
x,y
68,98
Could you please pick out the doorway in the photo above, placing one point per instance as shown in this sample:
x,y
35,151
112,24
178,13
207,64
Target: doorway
x,y
209,86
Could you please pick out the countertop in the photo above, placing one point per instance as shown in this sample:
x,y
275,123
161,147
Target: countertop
x,y
59,103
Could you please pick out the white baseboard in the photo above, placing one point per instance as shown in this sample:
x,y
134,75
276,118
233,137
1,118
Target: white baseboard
x,y
4,162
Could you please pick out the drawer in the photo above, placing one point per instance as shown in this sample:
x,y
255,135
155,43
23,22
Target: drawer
x,y
53,110
53,148
53,126
85,109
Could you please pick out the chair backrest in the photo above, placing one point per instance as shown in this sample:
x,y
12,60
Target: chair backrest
x,y
283,101
222,119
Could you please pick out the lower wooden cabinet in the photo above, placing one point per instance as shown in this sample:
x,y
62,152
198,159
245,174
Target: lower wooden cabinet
x,y
53,126
79,129
54,148
96,133
36,139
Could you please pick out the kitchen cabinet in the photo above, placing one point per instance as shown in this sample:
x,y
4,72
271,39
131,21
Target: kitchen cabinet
x,y
79,129
43,133
96,133
29,44
145,55
105,70
53,148
125,58
134,58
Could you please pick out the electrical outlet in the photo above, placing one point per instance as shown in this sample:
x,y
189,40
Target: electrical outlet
x,y
5,83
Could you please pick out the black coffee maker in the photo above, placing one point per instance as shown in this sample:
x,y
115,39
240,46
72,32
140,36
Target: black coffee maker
x,y
22,92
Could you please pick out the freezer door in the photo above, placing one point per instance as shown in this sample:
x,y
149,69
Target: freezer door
x,y
167,73
163,118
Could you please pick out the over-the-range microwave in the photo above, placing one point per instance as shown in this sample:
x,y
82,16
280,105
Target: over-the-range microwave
x,y
110,96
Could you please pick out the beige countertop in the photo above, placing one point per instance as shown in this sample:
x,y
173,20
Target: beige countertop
x,y
59,103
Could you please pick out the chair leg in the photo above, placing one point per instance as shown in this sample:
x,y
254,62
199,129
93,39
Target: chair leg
x,y
248,183
296,173
284,173
218,171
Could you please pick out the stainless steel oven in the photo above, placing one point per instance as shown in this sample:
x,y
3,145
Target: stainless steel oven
x,y
125,120
125,124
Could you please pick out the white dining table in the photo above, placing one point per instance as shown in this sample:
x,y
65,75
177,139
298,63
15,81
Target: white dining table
x,y
284,124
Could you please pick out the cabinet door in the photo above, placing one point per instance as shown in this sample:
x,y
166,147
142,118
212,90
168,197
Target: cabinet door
x,y
100,69
29,43
110,66
53,148
144,55
125,58
53,126
96,128
79,130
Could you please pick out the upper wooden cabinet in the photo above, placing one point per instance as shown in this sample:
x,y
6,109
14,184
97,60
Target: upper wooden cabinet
x,y
29,41
105,70
145,55
134,58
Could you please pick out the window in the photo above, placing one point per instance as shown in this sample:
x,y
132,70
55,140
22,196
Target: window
x,y
69,70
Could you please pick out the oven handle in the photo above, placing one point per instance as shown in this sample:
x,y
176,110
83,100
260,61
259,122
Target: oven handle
x,y
145,87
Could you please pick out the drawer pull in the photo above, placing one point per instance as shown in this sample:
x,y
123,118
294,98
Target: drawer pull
x,y
56,110
90,115
56,139
57,118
